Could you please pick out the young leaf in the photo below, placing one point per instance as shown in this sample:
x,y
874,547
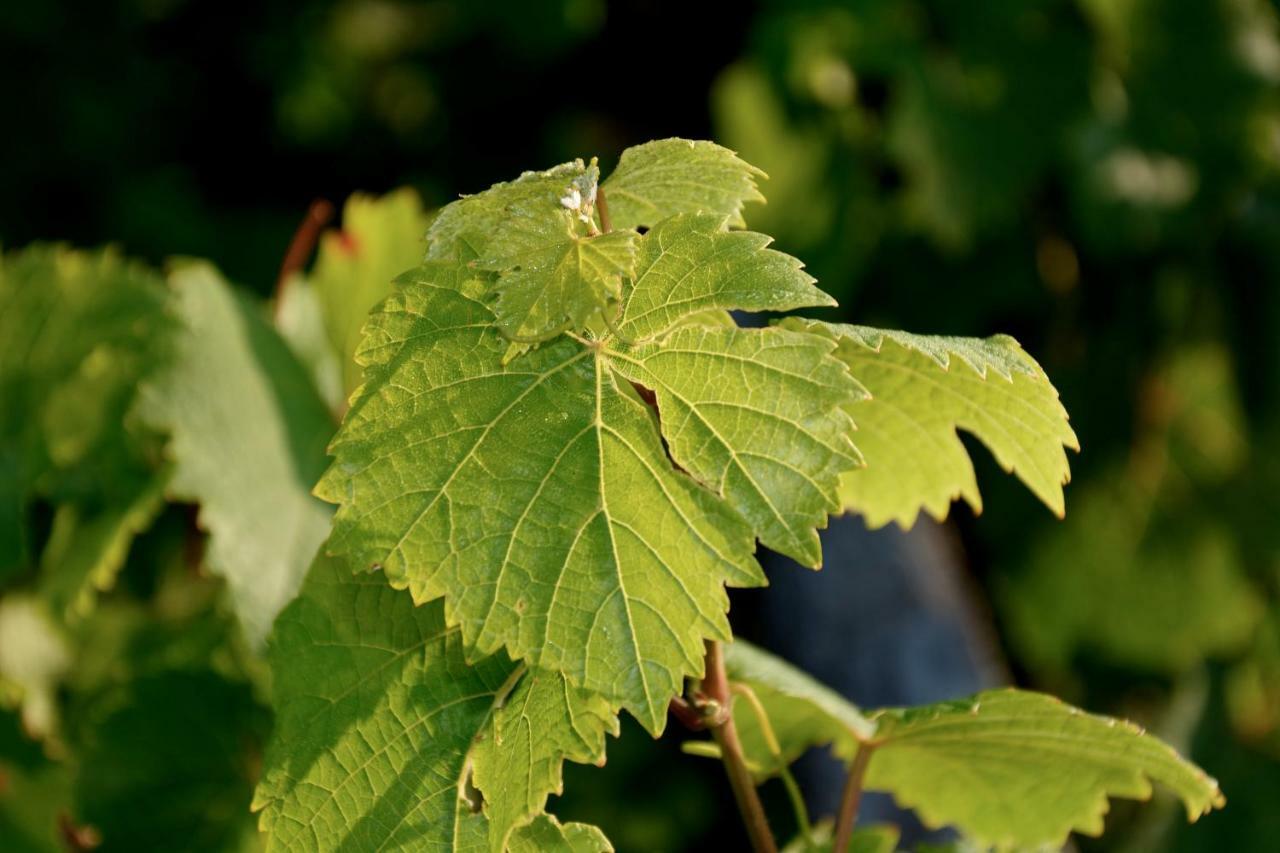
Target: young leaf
x,y
669,176
689,263
386,735
1011,767
380,238
78,332
248,434
923,389
535,496
560,281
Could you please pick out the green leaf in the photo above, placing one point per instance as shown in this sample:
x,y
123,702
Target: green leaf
x,y
380,238
876,838
1010,767
1006,767
535,496
78,332
386,736
689,263
546,835
555,269
669,176
247,439
561,281
86,551
748,412
925,388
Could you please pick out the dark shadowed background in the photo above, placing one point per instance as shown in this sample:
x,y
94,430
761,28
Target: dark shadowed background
x,y
1099,178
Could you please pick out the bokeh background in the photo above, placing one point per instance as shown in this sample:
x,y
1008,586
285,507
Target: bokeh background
x,y
1099,178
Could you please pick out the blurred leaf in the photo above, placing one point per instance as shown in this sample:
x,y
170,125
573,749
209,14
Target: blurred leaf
x,y
248,434
85,553
33,659
78,332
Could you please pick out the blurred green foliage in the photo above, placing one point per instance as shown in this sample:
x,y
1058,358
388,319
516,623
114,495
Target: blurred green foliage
x,y
1099,177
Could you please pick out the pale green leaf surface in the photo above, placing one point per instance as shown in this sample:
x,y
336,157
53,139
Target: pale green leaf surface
x,y
1011,768
547,835
876,838
689,263
380,238
669,176
247,440
534,496
922,390
749,413
78,332
85,551
387,738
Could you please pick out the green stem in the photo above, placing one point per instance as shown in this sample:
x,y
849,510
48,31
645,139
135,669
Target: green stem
x,y
851,797
715,688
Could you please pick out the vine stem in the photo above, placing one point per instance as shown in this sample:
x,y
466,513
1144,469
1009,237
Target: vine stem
x,y
851,797
775,749
715,688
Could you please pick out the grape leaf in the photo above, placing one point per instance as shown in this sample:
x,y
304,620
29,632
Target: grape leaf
x,y
387,737
85,550
748,413
669,176
690,263
380,238
536,496
78,332
555,269
924,388
1011,767
1007,767
247,439
546,835
560,281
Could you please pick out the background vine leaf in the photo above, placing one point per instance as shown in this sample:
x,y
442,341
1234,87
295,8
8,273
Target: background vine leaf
x,y
386,737
248,432
380,237
669,176
78,332
922,390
